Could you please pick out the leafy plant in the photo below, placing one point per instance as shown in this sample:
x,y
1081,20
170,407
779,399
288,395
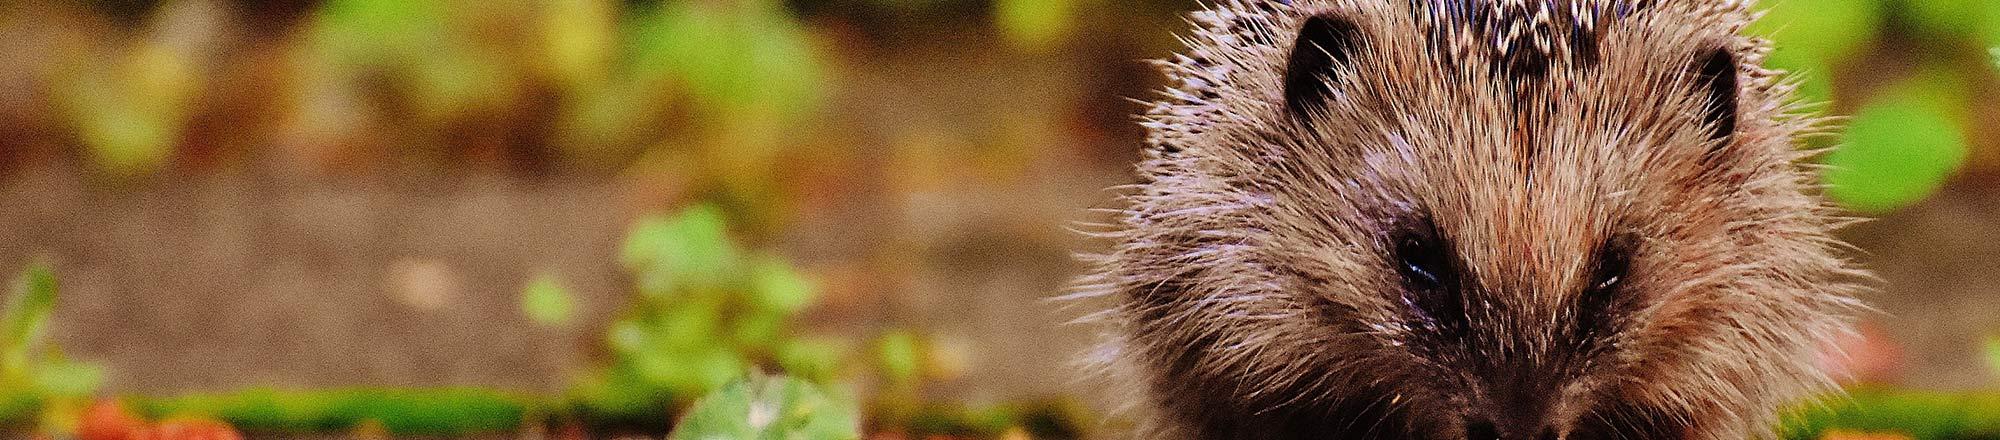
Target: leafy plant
x,y
130,112
771,408
1921,415
547,303
1899,149
707,312
1036,24
33,373
1812,38
1907,140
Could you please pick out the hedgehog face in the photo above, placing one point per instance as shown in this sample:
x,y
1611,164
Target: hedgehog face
x,y
1475,220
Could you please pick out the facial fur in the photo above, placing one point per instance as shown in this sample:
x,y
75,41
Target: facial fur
x,y
1473,220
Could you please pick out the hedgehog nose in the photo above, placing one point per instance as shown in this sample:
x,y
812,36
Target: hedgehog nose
x,y
1515,411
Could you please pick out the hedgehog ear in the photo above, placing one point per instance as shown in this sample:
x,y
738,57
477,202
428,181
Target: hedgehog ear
x,y
1324,44
1716,73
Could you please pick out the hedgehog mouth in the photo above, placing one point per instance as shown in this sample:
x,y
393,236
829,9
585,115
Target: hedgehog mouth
x,y
1382,419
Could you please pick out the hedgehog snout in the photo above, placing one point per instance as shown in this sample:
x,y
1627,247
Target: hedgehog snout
x,y
1523,407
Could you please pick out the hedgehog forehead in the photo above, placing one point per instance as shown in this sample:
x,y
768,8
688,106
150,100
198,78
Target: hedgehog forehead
x,y
1521,39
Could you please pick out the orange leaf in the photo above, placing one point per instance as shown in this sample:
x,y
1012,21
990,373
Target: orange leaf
x,y
192,429
108,420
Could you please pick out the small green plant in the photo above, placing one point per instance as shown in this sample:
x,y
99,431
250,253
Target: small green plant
x,y
1921,415
1036,24
547,302
33,372
771,408
1900,148
1905,141
707,312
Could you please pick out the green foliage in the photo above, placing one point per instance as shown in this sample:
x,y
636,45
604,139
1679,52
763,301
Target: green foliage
x,y
900,355
690,251
547,303
580,39
744,56
34,373
1952,18
1829,30
129,112
429,412
707,313
1906,141
1036,24
1921,415
431,55
30,301
1813,37
1899,149
771,408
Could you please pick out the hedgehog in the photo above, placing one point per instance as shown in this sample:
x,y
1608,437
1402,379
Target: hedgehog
x,y
1473,220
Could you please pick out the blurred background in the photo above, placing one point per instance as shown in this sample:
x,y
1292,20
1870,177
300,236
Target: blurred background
x,y
304,194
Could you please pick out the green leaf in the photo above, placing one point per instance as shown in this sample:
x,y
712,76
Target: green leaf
x,y
1814,76
371,32
644,242
771,408
579,39
900,355
1990,29
739,58
1947,17
69,379
691,371
131,112
777,287
29,304
17,408
758,331
615,392
691,250
547,302
1825,31
627,336
690,325
815,359
1898,150
1035,24
1918,414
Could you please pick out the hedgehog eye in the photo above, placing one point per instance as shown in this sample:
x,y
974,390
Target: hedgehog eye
x,y
1608,270
1324,44
1421,265
1608,267
1717,74
1429,273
